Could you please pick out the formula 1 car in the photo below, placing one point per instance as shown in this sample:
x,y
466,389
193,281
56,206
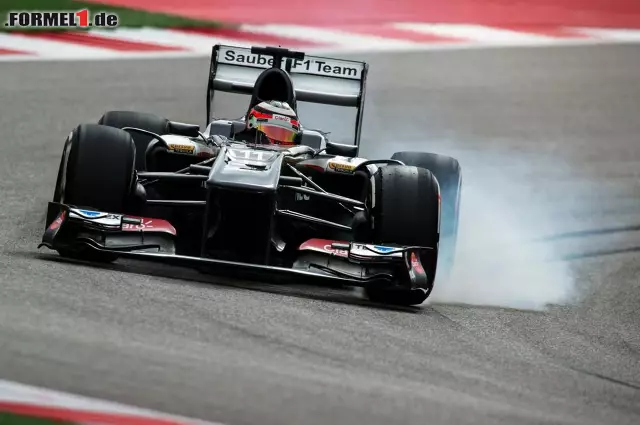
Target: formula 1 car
x,y
140,186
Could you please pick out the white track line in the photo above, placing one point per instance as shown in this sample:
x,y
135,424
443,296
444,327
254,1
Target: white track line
x,y
456,46
188,41
328,36
611,34
51,48
475,33
107,57
18,57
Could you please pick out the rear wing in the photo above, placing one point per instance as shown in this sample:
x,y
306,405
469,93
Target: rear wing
x,y
315,79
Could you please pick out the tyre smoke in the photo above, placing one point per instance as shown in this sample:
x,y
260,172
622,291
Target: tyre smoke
x,y
500,260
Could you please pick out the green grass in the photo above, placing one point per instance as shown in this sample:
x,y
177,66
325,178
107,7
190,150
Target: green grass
x,y
128,18
11,419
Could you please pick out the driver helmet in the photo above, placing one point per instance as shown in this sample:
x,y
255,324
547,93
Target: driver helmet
x,y
275,122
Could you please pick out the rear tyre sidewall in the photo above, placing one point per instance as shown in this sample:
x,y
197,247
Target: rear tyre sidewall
x,y
141,120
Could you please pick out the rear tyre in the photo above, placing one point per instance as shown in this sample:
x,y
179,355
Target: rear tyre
x,y
97,173
405,209
141,120
449,175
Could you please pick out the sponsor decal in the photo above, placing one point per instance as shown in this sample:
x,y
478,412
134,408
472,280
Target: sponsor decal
x,y
281,118
416,264
245,58
55,225
325,246
96,218
182,148
382,249
90,214
336,251
140,226
346,249
340,167
362,250
417,273
60,19
311,65
148,225
326,67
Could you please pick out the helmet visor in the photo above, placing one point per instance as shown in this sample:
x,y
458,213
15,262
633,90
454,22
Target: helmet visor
x,y
277,134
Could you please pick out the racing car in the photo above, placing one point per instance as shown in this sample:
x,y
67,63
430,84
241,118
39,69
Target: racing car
x,y
139,186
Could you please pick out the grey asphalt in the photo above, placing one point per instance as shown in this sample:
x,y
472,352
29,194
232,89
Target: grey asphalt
x,y
548,140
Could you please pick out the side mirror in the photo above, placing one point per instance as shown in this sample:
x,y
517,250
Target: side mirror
x,y
184,129
340,149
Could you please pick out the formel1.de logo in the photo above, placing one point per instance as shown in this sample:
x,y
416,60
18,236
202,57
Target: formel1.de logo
x,y
61,19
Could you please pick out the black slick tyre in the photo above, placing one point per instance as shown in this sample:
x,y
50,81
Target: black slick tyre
x,y
141,120
96,173
449,175
99,170
405,209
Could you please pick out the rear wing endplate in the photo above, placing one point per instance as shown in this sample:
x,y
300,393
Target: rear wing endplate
x,y
315,79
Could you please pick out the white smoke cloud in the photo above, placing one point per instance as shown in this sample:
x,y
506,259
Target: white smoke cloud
x,y
504,210
507,203
497,262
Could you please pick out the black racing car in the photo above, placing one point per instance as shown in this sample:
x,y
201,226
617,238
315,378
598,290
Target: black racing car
x,y
136,185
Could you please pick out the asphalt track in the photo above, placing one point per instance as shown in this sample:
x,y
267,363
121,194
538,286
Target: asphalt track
x,y
549,142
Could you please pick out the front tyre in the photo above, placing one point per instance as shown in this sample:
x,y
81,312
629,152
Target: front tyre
x,y
449,175
405,209
97,173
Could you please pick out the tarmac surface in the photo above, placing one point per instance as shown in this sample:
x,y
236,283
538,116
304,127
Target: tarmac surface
x,y
548,141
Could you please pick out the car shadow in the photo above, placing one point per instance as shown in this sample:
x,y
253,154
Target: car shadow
x,y
193,277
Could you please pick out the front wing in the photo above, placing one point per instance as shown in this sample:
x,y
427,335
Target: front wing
x,y
322,262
